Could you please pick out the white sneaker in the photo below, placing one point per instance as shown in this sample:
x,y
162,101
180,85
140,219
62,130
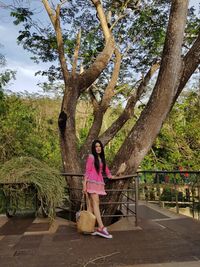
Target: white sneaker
x,y
94,233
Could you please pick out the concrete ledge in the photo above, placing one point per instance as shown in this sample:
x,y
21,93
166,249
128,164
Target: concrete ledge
x,y
124,224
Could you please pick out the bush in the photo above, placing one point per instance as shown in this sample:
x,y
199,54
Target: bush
x,y
48,182
168,194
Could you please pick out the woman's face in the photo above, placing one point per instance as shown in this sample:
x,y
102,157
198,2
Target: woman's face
x,y
98,148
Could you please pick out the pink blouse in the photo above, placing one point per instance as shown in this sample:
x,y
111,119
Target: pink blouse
x,y
95,182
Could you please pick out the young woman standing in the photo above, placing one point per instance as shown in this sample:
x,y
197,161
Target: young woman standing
x,y
93,183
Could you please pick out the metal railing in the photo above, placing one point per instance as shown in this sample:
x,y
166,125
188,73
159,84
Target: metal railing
x,y
129,196
171,188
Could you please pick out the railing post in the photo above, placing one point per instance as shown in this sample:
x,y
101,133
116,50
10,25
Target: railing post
x,y
176,193
136,199
127,201
193,200
120,205
139,192
146,193
158,188
70,204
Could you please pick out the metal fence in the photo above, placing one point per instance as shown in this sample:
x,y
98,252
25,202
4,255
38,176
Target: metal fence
x,y
177,190
128,203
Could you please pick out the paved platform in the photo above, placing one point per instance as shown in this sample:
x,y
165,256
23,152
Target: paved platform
x,y
161,238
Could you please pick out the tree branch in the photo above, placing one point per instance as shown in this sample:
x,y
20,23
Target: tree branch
x,y
76,51
191,62
102,18
109,91
117,20
100,109
129,109
93,98
49,12
92,73
55,19
88,76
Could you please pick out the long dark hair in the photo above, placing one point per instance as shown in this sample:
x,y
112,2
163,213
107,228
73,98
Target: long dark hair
x,y
102,156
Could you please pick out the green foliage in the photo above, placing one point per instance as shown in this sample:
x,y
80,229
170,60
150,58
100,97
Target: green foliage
x,y
21,15
83,131
28,129
168,194
2,103
48,181
178,143
2,201
16,123
5,77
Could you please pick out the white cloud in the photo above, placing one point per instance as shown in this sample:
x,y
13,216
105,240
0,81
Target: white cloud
x,y
19,60
25,77
2,29
23,67
26,72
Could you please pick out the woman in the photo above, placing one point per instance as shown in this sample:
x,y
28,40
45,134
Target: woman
x,y
94,185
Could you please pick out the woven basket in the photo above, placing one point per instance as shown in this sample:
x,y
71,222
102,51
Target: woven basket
x,y
86,222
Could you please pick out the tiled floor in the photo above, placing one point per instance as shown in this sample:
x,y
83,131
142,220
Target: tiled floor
x,y
159,240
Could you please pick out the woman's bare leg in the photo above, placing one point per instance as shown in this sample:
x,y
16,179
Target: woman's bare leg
x,y
95,205
89,203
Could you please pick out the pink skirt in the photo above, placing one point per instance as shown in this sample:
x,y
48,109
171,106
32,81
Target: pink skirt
x,y
95,187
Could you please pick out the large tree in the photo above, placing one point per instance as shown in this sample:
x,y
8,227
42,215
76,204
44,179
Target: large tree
x,y
114,41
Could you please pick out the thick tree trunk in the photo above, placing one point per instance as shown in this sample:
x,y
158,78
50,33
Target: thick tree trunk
x,y
146,129
68,128
68,142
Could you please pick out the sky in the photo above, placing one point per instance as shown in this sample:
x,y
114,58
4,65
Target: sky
x,y
18,59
